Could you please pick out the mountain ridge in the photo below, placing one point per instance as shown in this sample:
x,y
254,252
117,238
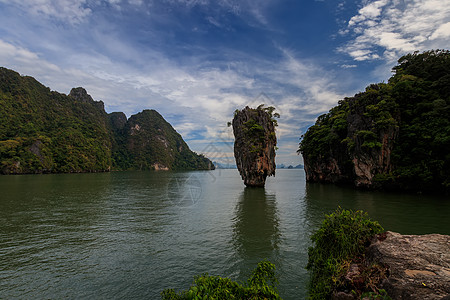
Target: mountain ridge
x,y
43,131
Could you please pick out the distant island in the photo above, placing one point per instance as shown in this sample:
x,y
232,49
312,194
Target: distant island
x,y
394,135
283,166
219,165
43,131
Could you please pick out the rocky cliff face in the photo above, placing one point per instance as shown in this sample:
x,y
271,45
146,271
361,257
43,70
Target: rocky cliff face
x,y
254,146
81,95
117,120
372,150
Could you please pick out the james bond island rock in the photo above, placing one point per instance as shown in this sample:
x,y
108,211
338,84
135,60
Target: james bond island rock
x,y
418,265
43,131
395,135
254,145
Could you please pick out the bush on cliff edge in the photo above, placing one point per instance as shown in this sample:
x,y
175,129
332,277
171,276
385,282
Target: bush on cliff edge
x,y
342,237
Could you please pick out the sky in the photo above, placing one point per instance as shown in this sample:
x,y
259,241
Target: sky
x,y
197,61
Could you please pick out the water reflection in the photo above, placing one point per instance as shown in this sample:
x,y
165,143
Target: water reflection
x,y
256,225
400,212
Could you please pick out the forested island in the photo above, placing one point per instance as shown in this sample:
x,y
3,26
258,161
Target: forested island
x,y
43,131
394,135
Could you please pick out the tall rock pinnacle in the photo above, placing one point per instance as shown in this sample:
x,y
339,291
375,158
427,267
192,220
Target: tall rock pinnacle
x,y
254,145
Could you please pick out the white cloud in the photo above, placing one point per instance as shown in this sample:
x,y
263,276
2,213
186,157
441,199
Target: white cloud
x,y
390,28
136,2
442,32
71,11
346,66
23,58
368,12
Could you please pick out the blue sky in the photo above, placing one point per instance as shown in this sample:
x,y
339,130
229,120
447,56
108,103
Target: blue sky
x,y
196,61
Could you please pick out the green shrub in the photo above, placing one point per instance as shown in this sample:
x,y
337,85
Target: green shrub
x,y
260,285
342,237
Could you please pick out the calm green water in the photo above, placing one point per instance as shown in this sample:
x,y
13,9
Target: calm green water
x,y
132,234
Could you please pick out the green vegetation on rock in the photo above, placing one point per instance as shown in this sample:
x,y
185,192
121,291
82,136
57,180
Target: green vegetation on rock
x,y
43,131
340,241
397,134
260,285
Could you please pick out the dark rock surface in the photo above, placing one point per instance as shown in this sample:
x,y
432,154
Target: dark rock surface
x,y
419,265
254,146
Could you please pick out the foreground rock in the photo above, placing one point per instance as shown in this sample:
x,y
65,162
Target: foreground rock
x,y
419,265
254,146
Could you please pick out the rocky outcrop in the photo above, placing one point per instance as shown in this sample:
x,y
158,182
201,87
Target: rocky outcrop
x,y
254,146
406,267
371,148
81,95
117,120
419,265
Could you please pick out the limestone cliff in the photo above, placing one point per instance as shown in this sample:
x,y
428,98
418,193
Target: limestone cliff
x,y
254,146
393,135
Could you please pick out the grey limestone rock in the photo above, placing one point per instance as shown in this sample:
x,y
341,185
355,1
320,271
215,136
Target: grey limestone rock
x,y
419,265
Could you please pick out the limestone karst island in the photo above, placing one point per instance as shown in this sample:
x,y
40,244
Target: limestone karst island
x,y
254,145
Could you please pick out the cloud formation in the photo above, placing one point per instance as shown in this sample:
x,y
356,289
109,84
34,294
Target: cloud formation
x,y
71,11
387,29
